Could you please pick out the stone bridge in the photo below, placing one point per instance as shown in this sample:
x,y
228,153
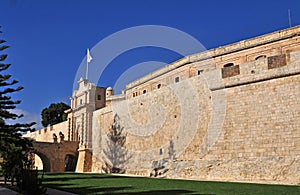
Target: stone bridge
x,y
53,155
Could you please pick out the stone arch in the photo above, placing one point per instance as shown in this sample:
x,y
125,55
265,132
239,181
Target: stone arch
x,y
260,57
45,160
53,154
228,65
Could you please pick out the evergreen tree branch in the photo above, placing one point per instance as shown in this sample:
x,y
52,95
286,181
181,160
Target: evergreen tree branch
x,y
3,57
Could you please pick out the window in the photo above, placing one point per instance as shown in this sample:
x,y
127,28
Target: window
x,y
136,94
144,91
133,94
228,65
158,86
176,79
200,72
260,57
80,101
99,97
160,151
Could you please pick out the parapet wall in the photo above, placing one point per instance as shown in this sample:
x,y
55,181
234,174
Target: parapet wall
x,y
270,45
46,134
225,124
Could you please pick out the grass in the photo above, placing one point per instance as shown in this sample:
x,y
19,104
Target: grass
x,y
109,184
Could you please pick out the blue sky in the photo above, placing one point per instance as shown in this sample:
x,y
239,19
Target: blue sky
x,y
48,39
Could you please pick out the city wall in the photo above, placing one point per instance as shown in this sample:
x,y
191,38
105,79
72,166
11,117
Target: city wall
x,y
46,134
236,123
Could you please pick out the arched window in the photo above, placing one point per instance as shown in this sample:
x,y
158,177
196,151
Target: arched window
x,y
260,57
158,86
228,65
144,91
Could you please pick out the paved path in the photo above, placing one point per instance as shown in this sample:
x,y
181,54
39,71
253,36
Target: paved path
x,y
50,191
6,191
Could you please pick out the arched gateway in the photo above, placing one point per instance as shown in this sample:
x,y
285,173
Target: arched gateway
x,y
54,155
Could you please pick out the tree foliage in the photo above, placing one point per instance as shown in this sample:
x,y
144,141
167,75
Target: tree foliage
x,y
54,114
14,149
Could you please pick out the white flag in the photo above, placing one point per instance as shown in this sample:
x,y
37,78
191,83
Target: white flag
x,y
88,56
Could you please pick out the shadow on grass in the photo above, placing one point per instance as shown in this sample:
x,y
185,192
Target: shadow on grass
x,y
115,184
89,190
120,190
47,179
176,192
56,177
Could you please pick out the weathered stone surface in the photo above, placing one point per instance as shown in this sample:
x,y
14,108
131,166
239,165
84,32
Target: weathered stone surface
x,y
247,130
230,71
276,61
259,170
53,154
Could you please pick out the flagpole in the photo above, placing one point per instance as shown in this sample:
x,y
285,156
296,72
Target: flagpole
x,y
87,69
88,59
87,64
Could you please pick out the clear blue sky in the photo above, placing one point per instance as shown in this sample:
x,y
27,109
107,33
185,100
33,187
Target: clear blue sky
x,y
48,39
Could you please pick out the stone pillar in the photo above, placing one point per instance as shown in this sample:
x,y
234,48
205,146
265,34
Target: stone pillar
x,y
84,162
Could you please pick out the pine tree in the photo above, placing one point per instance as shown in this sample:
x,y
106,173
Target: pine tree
x,y
14,149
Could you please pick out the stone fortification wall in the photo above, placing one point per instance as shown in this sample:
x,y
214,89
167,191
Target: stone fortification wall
x,y
273,44
46,134
237,123
260,137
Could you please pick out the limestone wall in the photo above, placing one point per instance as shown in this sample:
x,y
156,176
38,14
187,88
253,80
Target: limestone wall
x,y
218,125
46,134
246,51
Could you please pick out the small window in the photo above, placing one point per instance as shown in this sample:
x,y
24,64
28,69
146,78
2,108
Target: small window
x,y
176,79
158,86
80,101
145,91
260,57
136,94
160,151
133,94
200,72
99,97
228,65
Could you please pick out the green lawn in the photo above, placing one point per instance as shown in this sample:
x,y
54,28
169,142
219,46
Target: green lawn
x,y
108,184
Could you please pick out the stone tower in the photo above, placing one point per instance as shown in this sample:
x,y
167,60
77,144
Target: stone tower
x,y
84,102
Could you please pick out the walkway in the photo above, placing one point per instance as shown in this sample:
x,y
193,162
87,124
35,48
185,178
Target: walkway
x,y
50,191
6,191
